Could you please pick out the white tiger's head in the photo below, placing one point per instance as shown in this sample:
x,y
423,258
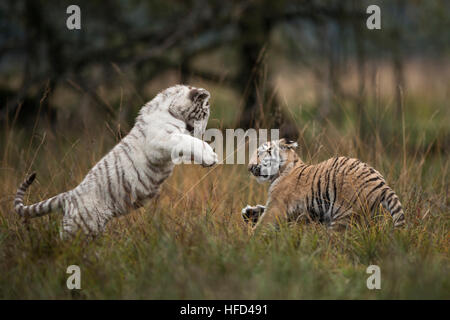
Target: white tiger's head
x,y
190,105
272,158
185,103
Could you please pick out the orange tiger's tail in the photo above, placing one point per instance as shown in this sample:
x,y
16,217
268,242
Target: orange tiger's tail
x,y
392,204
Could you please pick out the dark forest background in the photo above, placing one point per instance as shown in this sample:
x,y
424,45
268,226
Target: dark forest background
x,y
127,51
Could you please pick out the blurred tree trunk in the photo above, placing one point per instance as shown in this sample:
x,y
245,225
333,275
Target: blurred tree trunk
x,y
254,31
397,55
255,26
361,70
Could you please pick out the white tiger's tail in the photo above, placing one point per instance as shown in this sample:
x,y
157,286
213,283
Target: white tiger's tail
x,y
392,204
38,209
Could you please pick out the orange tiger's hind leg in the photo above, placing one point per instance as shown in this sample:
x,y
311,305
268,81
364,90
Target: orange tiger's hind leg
x,y
341,220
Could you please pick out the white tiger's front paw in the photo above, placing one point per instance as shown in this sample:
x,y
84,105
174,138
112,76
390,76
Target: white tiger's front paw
x,y
209,157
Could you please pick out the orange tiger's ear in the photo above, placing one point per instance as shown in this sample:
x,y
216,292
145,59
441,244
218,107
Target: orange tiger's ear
x,y
288,144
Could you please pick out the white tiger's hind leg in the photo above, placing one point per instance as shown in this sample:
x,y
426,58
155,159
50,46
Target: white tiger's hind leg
x,y
73,225
75,221
69,228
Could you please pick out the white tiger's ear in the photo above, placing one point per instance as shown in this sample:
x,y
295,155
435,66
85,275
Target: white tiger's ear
x,y
198,95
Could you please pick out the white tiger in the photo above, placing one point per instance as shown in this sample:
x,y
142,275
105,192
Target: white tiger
x,y
135,168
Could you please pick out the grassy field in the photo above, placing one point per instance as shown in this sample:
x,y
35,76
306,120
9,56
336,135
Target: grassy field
x,y
190,242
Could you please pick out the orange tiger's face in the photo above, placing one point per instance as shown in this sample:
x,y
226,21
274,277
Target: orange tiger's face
x,y
270,159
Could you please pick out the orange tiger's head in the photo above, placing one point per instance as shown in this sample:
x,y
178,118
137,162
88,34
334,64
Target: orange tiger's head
x,y
272,158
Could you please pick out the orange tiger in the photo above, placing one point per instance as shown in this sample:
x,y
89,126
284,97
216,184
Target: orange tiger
x,y
330,192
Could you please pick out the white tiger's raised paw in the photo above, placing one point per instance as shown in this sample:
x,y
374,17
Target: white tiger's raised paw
x,y
209,157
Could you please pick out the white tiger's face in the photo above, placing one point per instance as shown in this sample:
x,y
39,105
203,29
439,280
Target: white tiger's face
x,y
191,105
270,158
